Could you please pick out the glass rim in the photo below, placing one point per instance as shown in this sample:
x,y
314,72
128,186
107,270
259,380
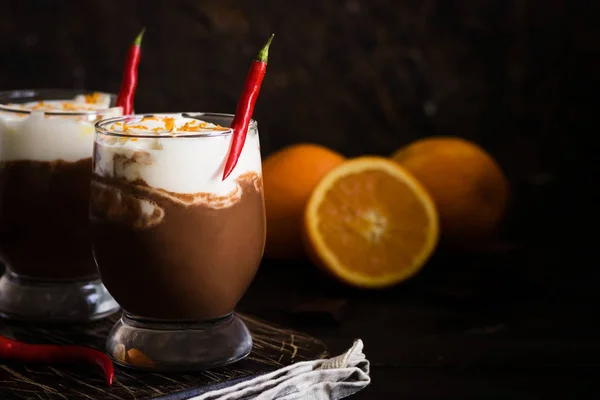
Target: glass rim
x,y
24,93
100,126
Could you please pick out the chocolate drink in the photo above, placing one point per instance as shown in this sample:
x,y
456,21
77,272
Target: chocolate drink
x,y
184,262
45,171
44,218
170,239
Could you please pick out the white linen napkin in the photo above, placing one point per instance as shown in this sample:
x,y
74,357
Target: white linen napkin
x,y
324,379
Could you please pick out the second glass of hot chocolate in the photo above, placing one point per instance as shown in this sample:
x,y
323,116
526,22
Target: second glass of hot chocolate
x,y
176,245
46,142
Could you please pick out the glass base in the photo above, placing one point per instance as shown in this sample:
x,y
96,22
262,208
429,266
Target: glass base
x,y
160,345
25,299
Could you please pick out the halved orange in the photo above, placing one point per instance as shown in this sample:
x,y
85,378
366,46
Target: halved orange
x,y
369,223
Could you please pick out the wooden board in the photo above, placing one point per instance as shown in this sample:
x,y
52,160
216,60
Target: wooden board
x,y
274,348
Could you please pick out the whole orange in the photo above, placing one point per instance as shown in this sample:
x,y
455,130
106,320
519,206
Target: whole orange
x,y
289,176
467,185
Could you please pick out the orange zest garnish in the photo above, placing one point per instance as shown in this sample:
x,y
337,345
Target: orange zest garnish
x,y
38,106
92,98
187,127
169,123
69,106
140,127
115,126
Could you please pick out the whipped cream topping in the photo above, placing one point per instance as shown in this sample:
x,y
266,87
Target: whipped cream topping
x,y
36,135
81,103
183,156
180,124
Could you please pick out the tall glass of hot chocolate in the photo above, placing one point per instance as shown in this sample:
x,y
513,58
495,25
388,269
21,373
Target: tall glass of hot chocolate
x,y
46,144
175,244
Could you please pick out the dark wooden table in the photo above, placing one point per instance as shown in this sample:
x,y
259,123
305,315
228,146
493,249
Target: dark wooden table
x,y
483,331
508,322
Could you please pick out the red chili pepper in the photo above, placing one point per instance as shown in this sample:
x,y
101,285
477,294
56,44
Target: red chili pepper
x,y
49,353
130,76
245,107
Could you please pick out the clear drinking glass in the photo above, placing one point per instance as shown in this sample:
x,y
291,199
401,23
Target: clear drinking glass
x,y
176,245
46,144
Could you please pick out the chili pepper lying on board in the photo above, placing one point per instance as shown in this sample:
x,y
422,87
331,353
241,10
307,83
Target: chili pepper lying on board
x,y
130,75
245,107
50,353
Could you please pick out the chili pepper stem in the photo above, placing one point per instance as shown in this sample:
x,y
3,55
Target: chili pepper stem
x,y
263,54
138,39
245,107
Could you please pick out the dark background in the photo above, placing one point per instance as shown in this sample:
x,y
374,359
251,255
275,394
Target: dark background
x,y
519,77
